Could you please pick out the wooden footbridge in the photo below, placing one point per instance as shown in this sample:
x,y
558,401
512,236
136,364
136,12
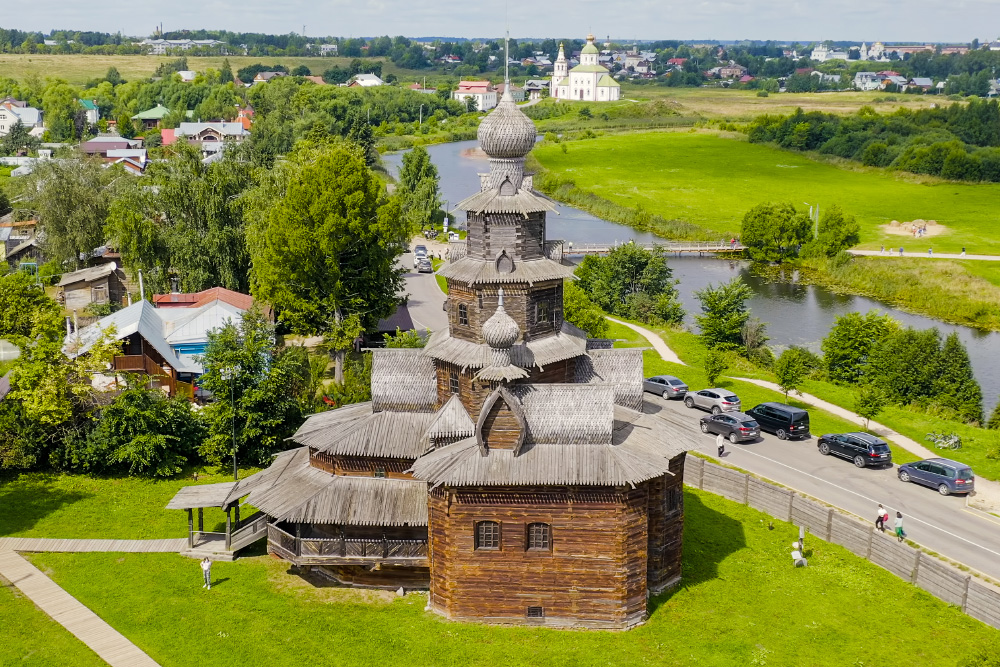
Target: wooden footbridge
x,y
677,247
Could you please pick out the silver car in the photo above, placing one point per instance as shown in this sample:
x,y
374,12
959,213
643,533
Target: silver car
x,y
713,400
666,386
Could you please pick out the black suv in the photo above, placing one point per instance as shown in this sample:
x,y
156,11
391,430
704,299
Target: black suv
x,y
782,420
862,448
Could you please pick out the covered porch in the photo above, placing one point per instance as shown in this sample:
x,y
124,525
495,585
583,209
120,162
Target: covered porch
x,y
239,532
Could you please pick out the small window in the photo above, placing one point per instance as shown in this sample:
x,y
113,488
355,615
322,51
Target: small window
x,y
453,383
380,472
536,612
463,315
674,501
487,535
543,312
539,537
480,302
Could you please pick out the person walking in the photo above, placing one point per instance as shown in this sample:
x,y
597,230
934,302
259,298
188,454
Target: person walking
x,y
900,533
900,251
963,252
206,569
720,443
882,251
880,519
930,252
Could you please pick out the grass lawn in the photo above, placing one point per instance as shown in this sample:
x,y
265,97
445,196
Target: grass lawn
x,y
442,283
38,504
32,639
711,181
740,600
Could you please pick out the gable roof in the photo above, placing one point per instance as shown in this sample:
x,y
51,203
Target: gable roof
x,y
403,379
199,299
88,275
156,113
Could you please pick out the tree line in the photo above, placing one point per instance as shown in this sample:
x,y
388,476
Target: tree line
x,y
957,142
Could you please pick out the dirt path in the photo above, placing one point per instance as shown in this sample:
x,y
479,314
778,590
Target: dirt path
x,y
658,343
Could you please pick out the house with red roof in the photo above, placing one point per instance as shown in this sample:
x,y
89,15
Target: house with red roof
x,y
482,92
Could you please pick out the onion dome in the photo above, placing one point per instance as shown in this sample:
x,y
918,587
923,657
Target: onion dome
x,y
506,132
500,331
590,48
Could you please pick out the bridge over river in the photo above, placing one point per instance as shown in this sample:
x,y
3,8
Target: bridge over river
x,y
678,247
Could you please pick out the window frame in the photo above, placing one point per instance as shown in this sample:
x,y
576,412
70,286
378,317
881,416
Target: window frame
x,y
529,537
543,311
453,384
478,536
463,314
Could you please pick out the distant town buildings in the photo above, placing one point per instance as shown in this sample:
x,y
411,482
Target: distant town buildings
x,y
13,111
482,92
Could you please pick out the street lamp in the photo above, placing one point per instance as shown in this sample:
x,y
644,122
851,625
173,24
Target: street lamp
x,y
229,375
421,115
815,218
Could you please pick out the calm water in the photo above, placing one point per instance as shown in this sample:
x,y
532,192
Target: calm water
x,y
795,313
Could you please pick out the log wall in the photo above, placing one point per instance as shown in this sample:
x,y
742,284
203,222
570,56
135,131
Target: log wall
x,y
594,575
360,466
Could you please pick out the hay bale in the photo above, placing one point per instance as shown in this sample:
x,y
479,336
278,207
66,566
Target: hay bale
x,y
894,223
932,222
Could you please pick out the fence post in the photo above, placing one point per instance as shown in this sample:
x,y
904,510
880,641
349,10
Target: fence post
x,y
701,474
916,567
965,592
829,524
868,548
746,489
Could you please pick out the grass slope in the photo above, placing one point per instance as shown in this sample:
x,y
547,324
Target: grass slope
x,y
78,506
32,639
712,181
740,600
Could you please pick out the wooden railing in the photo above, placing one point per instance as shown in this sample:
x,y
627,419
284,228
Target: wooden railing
x,y
141,363
316,549
130,362
249,531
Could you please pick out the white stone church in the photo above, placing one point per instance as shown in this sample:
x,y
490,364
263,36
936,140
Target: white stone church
x,y
588,81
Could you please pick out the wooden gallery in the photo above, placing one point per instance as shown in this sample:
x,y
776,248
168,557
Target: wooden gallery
x,y
511,466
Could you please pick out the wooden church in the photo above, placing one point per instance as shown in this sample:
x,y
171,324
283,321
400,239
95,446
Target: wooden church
x,y
511,466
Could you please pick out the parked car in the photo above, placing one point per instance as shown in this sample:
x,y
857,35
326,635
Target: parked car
x,y
861,448
945,475
782,420
713,400
666,386
424,266
734,425
419,253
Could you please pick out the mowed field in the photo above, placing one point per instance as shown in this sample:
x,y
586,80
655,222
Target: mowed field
x,y
711,181
78,69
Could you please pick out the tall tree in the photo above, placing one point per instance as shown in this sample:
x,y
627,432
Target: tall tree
x,y
837,232
848,347
724,311
325,246
773,232
955,386
579,310
790,370
631,281
418,188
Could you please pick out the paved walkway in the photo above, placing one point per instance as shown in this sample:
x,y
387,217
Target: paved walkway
x,y
654,339
888,253
105,641
79,546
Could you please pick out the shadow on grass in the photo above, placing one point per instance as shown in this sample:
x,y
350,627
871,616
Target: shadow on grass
x,y
23,502
709,538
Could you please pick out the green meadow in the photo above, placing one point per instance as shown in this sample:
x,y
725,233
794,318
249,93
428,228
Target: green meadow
x,y
711,181
740,603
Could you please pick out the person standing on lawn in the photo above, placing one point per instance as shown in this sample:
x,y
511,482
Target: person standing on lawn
x,y
899,527
206,568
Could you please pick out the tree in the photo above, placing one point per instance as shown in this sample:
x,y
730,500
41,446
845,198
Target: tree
x,y
580,311
407,339
255,385
113,77
994,420
361,134
60,104
906,365
5,205
301,70
418,188
72,198
324,246
837,232
754,337
790,371
724,312
631,281
869,402
716,364
848,347
145,433
955,386
226,73
18,139
22,302
773,232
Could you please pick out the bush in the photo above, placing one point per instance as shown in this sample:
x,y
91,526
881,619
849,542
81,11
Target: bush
x,y
762,93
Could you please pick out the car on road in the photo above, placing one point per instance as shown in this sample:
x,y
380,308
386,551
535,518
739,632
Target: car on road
x,y
945,475
861,448
419,253
713,400
425,266
666,386
733,425
782,420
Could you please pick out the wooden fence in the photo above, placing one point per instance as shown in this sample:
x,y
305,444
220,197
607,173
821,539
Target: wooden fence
x,y
976,598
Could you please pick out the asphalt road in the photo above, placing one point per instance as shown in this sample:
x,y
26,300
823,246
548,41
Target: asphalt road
x,y
426,298
940,523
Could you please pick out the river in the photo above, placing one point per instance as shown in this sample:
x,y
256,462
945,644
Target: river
x,y
795,313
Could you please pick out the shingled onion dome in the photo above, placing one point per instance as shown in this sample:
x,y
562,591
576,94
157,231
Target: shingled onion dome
x,y
500,332
506,133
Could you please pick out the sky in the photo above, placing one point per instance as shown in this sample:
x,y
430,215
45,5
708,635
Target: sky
x,y
785,20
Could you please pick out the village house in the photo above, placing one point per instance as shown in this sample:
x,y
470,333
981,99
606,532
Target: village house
x,y
365,81
103,284
535,88
20,242
732,71
515,92
150,119
866,81
482,92
14,111
209,137
420,89
106,147
161,47
91,111
264,77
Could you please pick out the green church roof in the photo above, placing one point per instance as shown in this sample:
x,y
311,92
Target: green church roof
x,y
590,48
589,68
156,113
606,80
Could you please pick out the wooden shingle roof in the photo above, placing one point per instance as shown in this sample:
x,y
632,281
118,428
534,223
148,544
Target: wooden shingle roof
x,y
355,430
619,368
476,271
568,343
452,421
403,379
